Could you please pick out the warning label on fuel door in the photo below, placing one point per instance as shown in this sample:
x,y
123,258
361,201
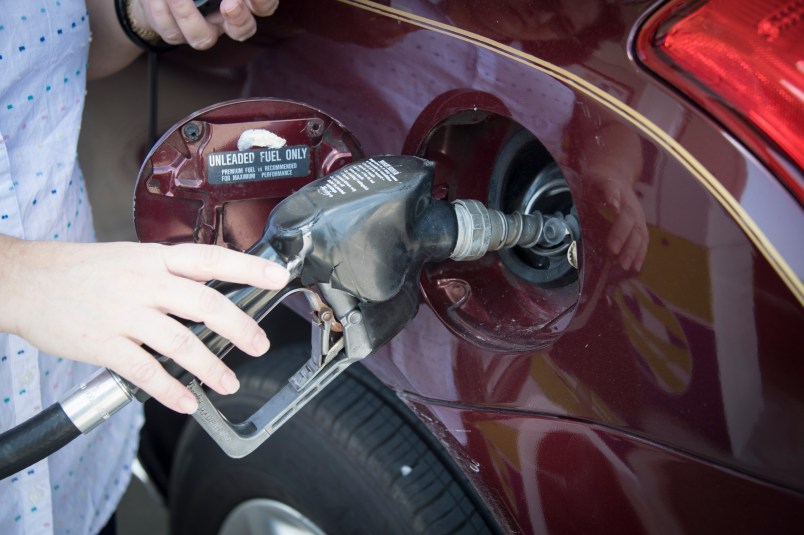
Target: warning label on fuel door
x,y
257,164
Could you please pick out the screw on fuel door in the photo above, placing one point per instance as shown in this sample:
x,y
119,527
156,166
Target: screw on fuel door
x,y
216,175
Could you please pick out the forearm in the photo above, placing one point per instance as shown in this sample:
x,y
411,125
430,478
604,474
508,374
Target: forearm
x,y
110,49
12,258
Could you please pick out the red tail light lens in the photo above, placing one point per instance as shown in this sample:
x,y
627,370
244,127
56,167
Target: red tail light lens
x,y
743,61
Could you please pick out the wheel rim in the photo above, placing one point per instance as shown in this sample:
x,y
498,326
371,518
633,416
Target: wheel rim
x,y
267,517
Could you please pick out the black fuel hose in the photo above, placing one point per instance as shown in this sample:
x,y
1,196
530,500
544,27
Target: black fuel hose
x,y
35,439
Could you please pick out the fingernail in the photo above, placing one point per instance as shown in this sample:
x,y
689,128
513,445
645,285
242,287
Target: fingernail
x,y
230,382
261,342
234,11
277,274
188,404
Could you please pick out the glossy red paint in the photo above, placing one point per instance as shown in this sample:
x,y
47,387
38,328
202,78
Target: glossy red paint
x,y
663,391
587,478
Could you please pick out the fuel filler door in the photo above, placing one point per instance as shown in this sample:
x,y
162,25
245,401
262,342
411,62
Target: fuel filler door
x,y
215,176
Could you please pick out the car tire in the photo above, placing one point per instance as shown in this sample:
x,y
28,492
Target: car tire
x,y
354,460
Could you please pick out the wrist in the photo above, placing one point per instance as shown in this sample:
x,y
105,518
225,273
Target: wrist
x,y
138,22
133,22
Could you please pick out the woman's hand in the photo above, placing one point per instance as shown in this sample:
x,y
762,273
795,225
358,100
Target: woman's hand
x,y
178,21
628,236
98,303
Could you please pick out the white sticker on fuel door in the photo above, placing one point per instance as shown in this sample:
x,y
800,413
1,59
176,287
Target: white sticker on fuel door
x,y
257,164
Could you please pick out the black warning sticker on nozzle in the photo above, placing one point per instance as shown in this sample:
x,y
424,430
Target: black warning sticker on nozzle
x,y
237,166
358,177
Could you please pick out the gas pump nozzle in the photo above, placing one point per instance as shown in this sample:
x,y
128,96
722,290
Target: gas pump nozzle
x,y
358,236
361,236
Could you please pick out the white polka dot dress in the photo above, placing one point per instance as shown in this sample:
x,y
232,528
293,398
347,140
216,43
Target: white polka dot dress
x,y
43,59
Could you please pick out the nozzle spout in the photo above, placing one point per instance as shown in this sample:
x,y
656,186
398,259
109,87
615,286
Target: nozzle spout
x,y
482,229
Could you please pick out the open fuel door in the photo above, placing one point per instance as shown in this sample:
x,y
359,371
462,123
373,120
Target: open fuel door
x,y
215,176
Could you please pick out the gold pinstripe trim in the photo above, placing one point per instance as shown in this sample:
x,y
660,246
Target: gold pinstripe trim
x,y
696,169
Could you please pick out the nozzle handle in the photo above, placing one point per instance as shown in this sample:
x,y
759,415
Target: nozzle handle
x,y
238,439
255,302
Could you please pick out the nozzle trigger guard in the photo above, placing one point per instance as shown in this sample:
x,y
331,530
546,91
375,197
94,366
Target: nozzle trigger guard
x,y
327,361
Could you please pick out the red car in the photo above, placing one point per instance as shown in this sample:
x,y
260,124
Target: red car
x,y
657,387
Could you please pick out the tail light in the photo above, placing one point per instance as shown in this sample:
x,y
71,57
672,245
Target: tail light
x,y
743,61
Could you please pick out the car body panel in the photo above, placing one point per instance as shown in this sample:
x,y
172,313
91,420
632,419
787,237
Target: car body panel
x,y
555,475
658,396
